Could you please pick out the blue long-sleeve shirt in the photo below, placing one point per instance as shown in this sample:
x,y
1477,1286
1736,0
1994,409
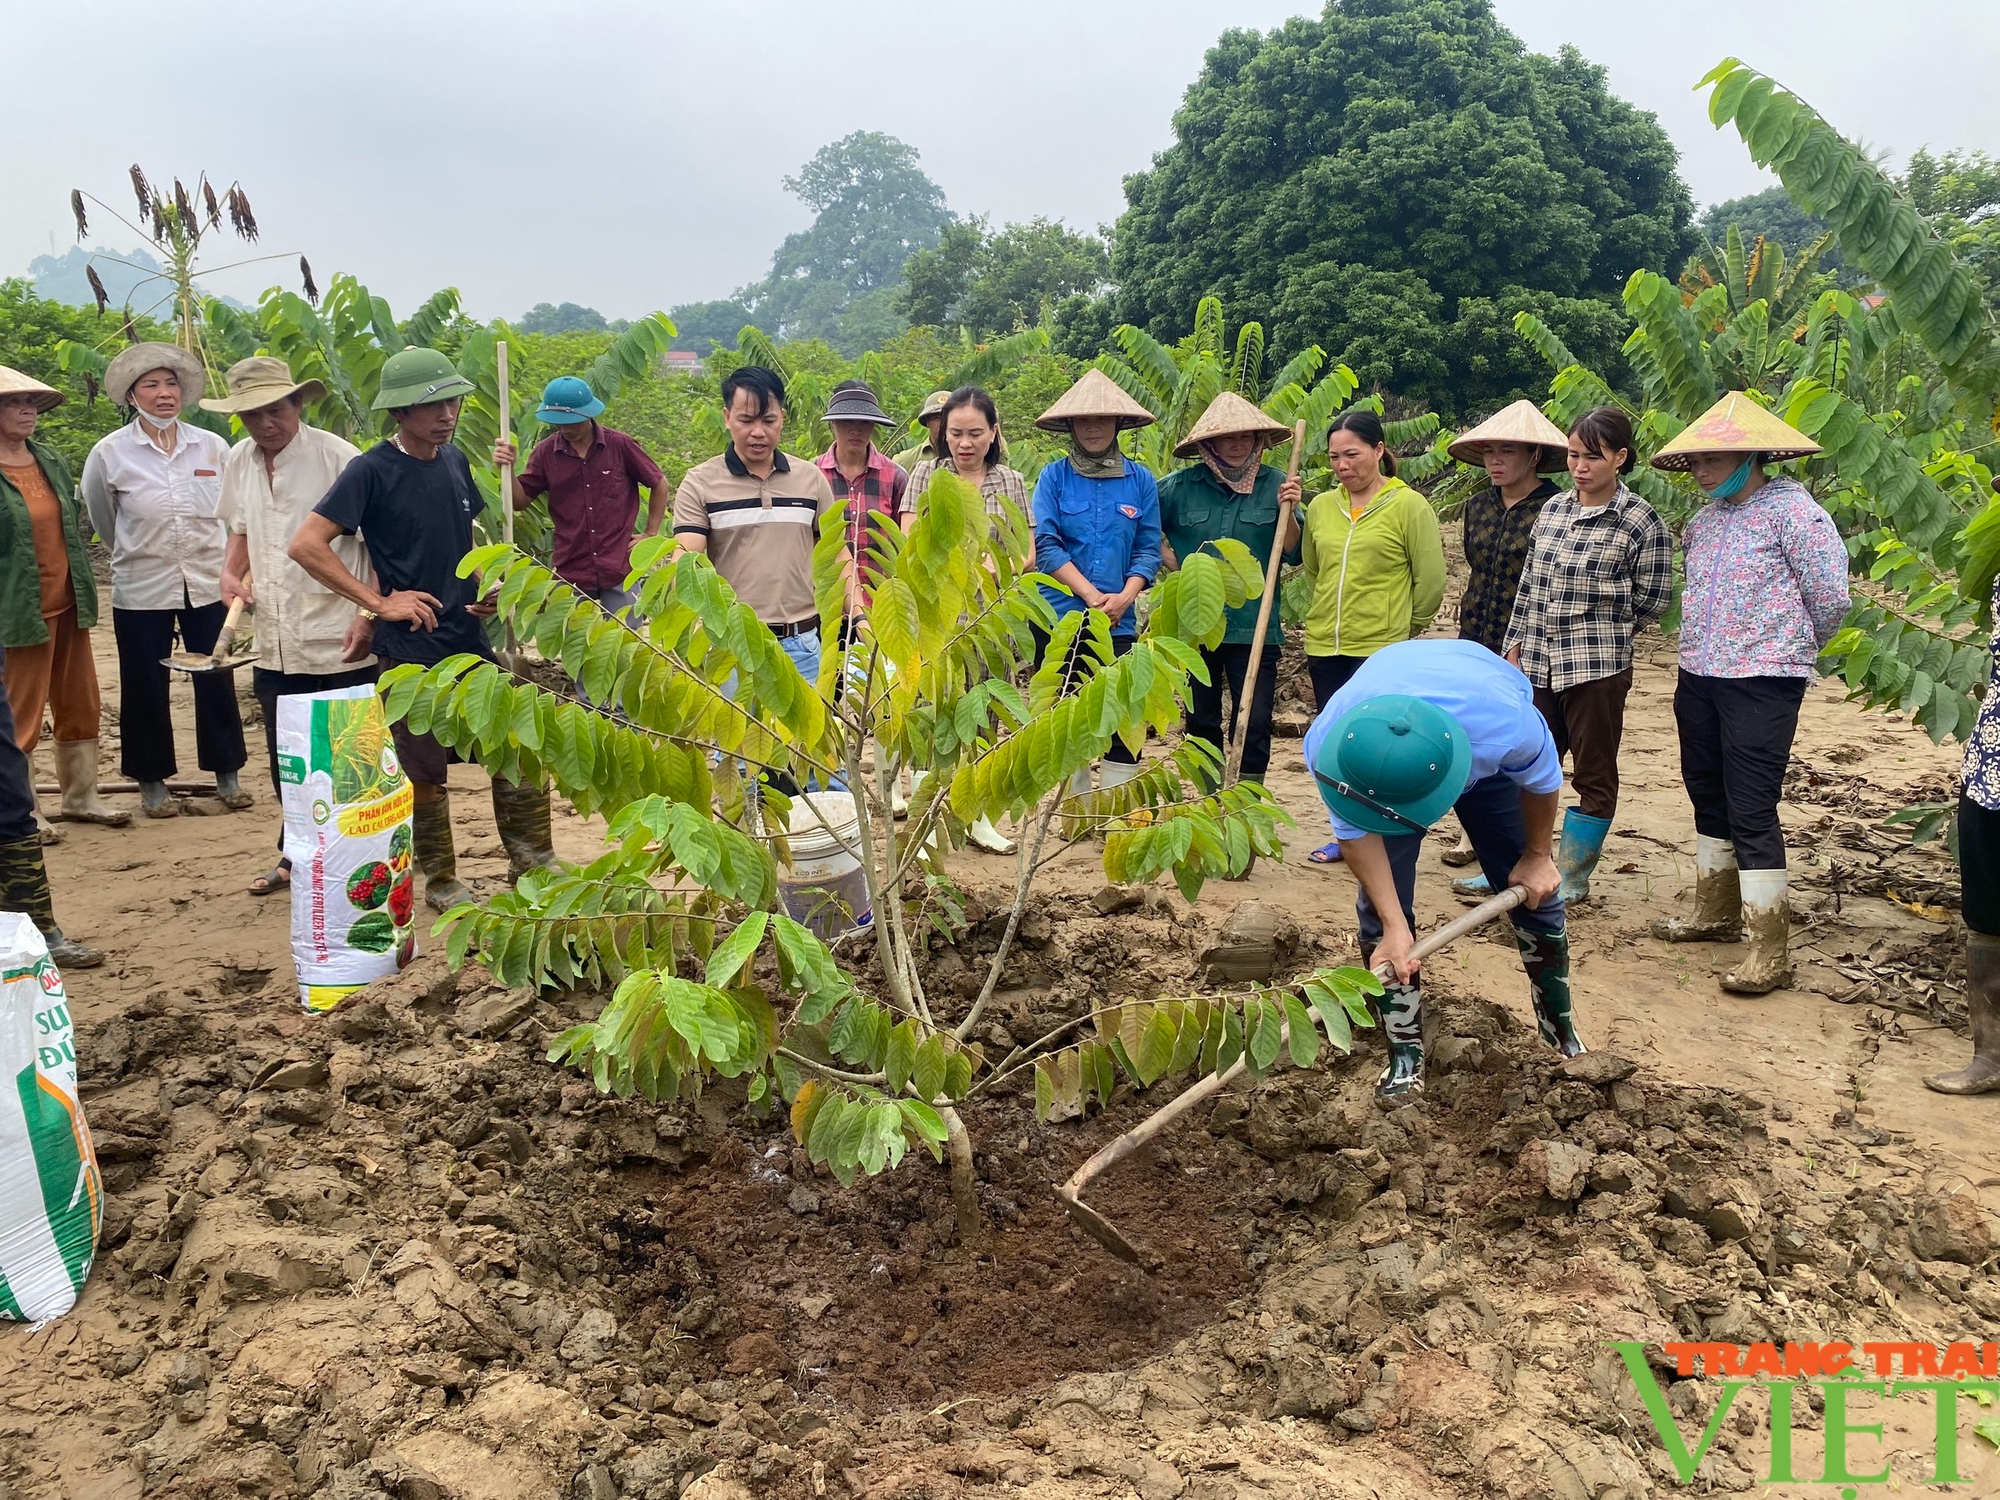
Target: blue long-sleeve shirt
x,y
1110,528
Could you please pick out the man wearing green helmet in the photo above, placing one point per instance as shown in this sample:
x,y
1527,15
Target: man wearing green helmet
x,y
412,499
1424,728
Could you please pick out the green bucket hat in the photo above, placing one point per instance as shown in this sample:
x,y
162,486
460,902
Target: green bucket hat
x,y
417,377
1393,764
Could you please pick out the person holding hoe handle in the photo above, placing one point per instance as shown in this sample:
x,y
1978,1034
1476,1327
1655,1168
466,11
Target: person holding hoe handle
x,y
1232,492
1422,728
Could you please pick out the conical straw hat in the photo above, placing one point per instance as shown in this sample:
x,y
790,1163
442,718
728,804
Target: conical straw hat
x,y
1096,395
14,383
1522,422
1230,413
1735,424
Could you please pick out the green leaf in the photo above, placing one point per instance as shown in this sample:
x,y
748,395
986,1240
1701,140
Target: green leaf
x,y
927,1071
1156,1048
736,950
1303,1036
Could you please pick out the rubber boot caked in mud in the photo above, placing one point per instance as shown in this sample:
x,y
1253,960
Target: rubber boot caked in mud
x,y
1767,921
1473,887
437,855
24,887
1545,955
1718,898
1461,853
1982,998
521,813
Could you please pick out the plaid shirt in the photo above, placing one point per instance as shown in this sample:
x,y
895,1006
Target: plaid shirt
x,y
879,491
1597,574
1497,540
1000,483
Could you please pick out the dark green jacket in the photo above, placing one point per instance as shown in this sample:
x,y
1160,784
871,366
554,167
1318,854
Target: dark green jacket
x,y
20,581
1195,507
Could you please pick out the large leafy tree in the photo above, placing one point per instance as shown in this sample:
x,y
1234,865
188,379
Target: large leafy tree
x,y
1394,180
994,281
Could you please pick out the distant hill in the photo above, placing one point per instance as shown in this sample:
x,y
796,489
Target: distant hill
x,y
61,278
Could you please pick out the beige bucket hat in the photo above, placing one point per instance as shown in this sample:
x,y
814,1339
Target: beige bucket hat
x,y
1230,414
260,381
129,364
1736,424
14,383
1095,395
1522,422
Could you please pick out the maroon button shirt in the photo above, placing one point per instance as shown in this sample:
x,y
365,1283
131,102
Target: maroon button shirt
x,y
593,503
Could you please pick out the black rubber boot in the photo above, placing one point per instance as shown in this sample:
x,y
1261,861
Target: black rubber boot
x,y
437,854
1545,955
521,813
24,887
1399,1011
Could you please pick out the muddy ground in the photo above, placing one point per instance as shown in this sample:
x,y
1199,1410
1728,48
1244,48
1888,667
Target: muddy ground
x,y
393,1252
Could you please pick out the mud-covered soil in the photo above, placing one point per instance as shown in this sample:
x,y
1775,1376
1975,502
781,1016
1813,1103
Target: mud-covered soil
x,y
394,1252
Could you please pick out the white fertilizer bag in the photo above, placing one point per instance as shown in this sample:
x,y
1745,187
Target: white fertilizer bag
x,y
50,1196
347,833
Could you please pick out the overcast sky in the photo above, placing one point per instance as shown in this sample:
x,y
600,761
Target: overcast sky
x,y
628,154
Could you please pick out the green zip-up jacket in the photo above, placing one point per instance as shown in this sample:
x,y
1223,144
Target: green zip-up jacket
x,y
1378,579
21,621
1195,507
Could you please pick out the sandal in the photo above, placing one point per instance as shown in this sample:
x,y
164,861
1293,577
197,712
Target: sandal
x,y
277,878
1326,854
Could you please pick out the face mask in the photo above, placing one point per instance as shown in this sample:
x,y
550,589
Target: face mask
x,y
156,423
1731,487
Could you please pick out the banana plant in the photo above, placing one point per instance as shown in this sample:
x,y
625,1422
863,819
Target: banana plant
x,y
671,723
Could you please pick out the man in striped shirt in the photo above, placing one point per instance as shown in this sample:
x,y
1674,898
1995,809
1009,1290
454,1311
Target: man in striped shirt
x,y
756,512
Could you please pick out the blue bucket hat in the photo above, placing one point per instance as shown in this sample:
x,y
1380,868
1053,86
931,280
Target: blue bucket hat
x,y
1393,764
567,400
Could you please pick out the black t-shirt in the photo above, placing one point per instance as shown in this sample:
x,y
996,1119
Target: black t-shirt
x,y
415,517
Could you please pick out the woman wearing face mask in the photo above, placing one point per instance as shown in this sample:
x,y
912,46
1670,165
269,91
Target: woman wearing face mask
x,y
152,488
1375,560
1097,529
1766,589
969,429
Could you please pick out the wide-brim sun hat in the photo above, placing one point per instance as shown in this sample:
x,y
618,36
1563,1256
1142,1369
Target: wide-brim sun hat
x,y
854,401
1230,415
14,383
1522,422
419,377
568,400
1393,754
1735,424
260,381
130,364
1095,395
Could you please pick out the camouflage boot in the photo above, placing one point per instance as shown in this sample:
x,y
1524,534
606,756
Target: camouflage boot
x,y
521,813
1399,1011
437,854
24,887
1545,955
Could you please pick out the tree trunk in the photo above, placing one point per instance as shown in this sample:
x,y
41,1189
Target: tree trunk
x,y
964,1189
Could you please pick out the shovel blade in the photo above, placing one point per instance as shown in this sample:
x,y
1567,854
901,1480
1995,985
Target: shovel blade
x,y
199,661
1101,1229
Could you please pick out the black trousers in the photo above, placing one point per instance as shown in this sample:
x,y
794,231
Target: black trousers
x,y
1979,866
145,718
17,791
1587,721
1330,674
1736,740
1120,644
1228,666
270,686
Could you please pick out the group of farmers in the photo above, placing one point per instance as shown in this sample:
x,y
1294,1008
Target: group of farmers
x,y
351,560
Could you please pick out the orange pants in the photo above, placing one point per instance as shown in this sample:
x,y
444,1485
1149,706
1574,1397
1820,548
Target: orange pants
x,y
60,675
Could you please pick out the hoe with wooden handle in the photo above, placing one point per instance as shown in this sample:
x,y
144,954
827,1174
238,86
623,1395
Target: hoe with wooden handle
x,y
1101,1229
218,660
1238,716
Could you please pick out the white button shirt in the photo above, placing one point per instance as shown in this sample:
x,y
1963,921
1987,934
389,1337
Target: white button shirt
x,y
300,621
156,512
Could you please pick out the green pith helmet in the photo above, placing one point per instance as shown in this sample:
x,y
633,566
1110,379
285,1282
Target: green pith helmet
x,y
1393,765
417,377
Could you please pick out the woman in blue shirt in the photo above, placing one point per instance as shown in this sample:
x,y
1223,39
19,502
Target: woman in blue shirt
x,y
1097,530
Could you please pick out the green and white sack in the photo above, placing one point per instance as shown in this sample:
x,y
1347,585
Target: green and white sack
x,y
51,1198
347,833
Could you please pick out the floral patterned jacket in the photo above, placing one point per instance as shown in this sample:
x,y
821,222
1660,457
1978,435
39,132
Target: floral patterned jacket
x,y
1981,773
1766,584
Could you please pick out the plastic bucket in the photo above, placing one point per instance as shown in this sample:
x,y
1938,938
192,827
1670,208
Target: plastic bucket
x,y
824,886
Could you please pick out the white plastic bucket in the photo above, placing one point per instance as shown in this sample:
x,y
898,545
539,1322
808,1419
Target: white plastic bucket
x,y
824,886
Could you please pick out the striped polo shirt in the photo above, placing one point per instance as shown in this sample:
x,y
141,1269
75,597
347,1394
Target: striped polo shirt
x,y
760,531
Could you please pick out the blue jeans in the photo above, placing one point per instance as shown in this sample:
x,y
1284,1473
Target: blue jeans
x,y
1490,812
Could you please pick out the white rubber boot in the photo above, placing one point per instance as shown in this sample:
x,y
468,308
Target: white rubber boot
x,y
1767,922
1074,820
1718,898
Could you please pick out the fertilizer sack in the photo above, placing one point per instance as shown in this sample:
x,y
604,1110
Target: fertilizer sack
x,y
347,834
50,1197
